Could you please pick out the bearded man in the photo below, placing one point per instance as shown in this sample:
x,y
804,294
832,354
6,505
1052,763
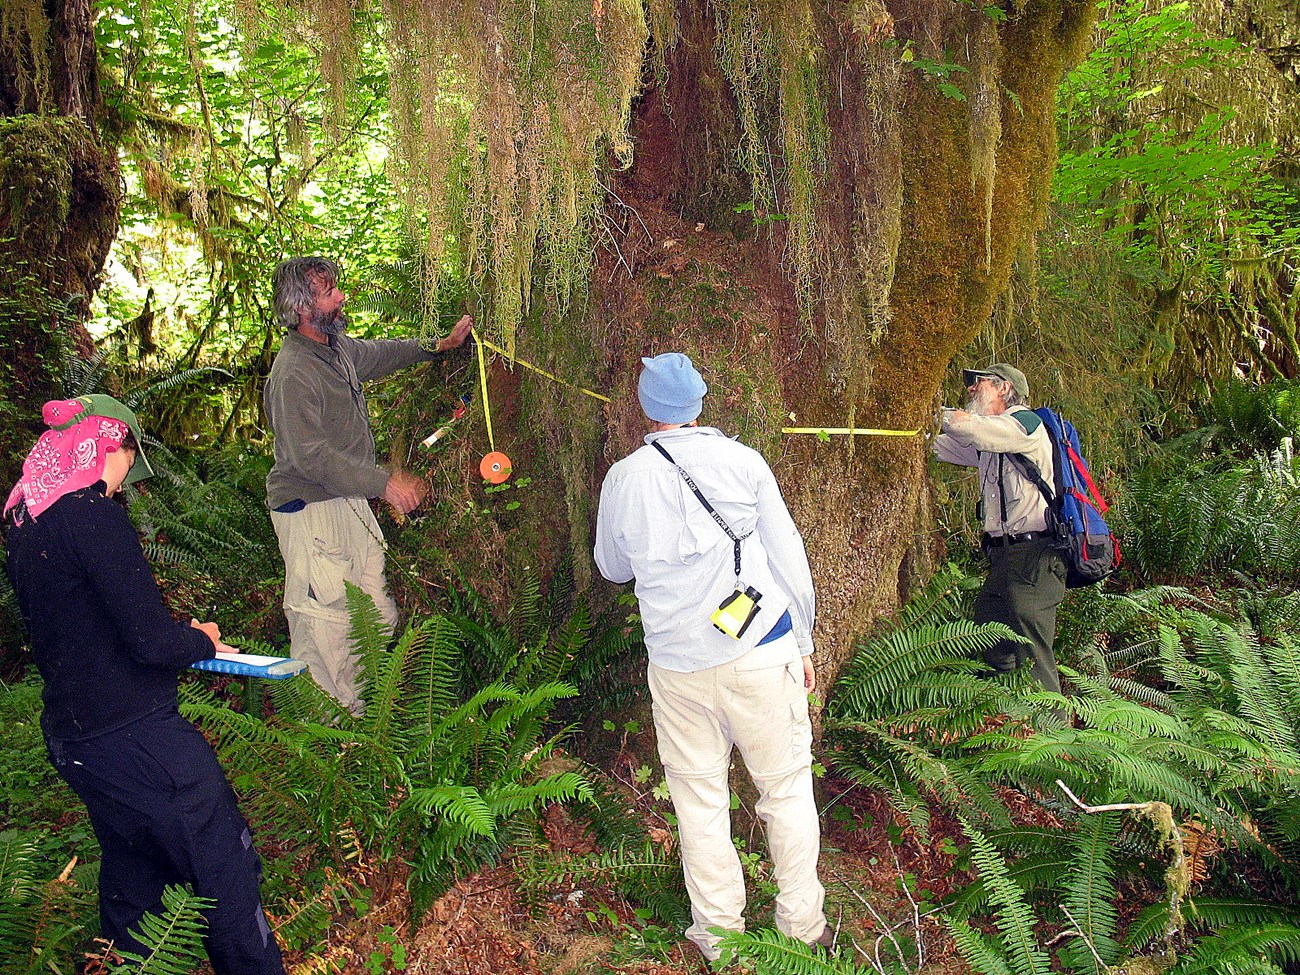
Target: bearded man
x,y
1026,580
325,469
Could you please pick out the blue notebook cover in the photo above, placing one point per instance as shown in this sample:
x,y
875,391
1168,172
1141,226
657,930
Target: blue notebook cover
x,y
251,665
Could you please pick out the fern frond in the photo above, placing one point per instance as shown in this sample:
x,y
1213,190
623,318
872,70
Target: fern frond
x,y
1015,919
1240,944
461,804
506,800
898,655
980,953
766,951
1090,894
173,940
135,398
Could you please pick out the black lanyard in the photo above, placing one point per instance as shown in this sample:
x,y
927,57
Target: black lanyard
x,y
705,501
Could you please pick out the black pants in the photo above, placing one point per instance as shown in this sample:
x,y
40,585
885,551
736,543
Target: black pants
x,y
164,814
1025,585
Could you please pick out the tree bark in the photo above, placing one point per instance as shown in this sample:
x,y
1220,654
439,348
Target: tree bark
x,y
904,210
59,209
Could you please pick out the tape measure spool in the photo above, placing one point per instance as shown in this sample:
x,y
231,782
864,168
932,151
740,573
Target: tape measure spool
x,y
495,467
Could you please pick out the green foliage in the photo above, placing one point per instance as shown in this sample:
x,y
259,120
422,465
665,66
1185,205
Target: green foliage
x,y
1187,710
1090,896
765,951
1184,513
1246,419
235,155
29,786
552,636
173,940
640,870
1016,951
916,673
39,914
1169,162
442,780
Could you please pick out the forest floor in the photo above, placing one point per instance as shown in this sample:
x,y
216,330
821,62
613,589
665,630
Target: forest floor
x,y
882,883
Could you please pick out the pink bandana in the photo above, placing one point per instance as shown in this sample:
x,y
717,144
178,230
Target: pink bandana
x,y
65,460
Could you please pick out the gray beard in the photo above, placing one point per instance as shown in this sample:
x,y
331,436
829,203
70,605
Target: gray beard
x,y
979,404
335,324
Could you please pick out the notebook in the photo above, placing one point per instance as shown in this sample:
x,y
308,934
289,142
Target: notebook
x,y
251,665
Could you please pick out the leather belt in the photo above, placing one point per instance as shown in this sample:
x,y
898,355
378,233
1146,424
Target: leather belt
x,y
1004,540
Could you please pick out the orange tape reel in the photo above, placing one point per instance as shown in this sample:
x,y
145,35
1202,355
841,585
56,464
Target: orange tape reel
x,y
495,467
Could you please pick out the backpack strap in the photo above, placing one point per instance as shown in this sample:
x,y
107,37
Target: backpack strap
x,y
707,507
1031,472
1027,468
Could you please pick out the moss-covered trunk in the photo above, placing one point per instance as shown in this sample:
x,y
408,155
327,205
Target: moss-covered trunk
x,y
930,172
59,201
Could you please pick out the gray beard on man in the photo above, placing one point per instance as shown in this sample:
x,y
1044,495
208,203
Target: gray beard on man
x,y
979,401
329,324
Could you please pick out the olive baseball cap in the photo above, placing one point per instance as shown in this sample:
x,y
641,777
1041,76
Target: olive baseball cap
x,y
101,404
999,370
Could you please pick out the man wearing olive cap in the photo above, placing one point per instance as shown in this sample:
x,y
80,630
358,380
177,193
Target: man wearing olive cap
x,y
713,691
1026,580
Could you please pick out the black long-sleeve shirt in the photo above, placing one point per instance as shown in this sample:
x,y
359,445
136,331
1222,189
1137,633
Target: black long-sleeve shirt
x,y
105,644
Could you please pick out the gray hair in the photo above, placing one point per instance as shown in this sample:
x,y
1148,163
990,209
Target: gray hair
x,y
293,285
1010,397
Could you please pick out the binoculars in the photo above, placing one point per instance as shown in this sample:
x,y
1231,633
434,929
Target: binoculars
x,y
736,612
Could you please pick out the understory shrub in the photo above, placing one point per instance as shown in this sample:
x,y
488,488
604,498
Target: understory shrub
x,y
448,765
1183,719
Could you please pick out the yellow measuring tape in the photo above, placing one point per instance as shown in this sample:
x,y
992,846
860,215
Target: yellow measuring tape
x,y
482,343
852,431
528,365
482,385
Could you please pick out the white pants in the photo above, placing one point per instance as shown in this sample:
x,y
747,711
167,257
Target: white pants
x,y
324,545
758,704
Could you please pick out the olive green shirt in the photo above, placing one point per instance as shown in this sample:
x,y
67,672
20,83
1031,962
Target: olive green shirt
x,y
314,401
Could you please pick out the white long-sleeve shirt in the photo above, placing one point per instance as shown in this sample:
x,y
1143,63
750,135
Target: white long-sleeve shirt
x,y
982,441
653,529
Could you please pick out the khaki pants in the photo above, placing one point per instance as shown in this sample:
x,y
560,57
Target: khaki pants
x,y
324,545
757,704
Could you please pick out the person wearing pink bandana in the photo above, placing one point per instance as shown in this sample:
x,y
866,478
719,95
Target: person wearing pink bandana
x,y
109,654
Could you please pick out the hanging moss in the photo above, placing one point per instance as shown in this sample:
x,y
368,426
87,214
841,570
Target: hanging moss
x,y
24,46
872,261
985,100
504,115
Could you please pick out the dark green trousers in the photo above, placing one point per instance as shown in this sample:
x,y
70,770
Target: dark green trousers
x,y
1025,585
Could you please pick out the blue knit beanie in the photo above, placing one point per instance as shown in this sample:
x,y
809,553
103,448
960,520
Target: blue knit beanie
x,y
670,389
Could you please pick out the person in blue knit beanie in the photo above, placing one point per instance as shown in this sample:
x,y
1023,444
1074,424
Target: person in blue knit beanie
x,y
726,599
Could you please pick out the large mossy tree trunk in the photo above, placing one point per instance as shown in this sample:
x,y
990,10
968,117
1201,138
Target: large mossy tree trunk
x,y
59,204
939,143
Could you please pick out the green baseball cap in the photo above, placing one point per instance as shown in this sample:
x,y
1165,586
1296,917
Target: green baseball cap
x,y
101,404
999,370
